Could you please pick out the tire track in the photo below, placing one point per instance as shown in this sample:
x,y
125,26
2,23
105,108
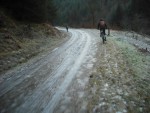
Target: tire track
x,y
50,75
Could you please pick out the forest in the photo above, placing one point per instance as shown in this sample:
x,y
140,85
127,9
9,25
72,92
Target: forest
x,y
36,11
47,68
119,14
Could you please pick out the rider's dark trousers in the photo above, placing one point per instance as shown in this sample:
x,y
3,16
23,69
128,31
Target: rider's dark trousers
x,y
103,31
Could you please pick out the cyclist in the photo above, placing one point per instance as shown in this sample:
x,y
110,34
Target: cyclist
x,y
102,26
67,28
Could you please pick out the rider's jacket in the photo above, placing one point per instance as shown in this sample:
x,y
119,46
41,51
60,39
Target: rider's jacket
x,y
102,25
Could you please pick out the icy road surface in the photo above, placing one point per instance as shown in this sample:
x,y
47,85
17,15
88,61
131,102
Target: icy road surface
x,y
40,85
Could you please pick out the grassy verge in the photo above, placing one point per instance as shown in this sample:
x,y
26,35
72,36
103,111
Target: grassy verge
x,y
120,82
139,64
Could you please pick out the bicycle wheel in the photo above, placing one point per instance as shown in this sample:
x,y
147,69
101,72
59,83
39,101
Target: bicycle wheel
x,y
103,37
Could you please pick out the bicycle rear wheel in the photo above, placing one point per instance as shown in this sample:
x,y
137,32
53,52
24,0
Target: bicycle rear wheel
x,y
103,37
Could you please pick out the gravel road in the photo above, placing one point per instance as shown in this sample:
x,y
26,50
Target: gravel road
x,y
82,75
39,85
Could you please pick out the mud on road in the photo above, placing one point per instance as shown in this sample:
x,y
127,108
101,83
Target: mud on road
x,y
80,76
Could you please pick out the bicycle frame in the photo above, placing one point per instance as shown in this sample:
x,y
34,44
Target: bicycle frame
x,y
103,36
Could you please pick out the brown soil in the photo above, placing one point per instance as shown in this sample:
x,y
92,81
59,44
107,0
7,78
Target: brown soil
x,y
22,42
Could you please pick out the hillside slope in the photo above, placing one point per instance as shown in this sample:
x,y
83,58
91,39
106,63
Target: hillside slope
x,y
21,41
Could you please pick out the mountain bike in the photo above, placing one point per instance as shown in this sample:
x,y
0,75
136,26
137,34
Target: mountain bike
x,y
102,34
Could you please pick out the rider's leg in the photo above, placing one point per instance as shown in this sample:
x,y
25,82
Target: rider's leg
x,y
104,31
100,32
104,34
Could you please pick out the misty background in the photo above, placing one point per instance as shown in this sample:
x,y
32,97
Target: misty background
x,y
119,14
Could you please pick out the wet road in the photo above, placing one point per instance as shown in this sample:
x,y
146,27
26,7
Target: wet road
x,y
40,84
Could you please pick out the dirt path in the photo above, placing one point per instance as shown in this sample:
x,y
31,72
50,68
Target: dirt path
x,y
39,85
81,76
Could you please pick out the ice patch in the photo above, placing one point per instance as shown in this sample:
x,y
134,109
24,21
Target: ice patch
x,y
89,66
55,49
93,60
102,104
117,97
105,87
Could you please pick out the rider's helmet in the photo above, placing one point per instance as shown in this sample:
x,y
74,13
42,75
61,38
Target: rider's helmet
x,y
101,19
